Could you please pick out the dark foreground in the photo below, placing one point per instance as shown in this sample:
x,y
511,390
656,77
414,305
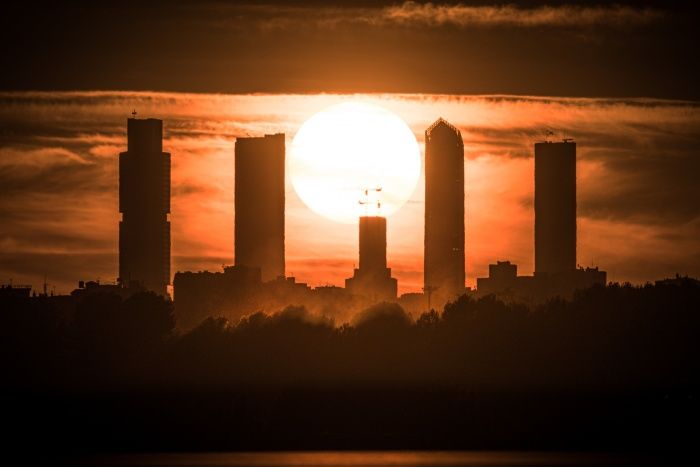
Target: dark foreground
x,y
376,459
616,370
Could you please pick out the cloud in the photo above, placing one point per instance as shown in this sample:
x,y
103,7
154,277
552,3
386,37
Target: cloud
x,y
461,15
57,176
442,47
38,158
642,189
436,14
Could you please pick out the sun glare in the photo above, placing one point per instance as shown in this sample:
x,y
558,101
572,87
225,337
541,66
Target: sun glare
x,y
348,148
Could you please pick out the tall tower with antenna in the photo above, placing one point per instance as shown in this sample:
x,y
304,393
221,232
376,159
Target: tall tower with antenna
x,y
144,201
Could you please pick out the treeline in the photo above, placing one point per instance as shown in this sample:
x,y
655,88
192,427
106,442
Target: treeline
x,y
480,373
606,338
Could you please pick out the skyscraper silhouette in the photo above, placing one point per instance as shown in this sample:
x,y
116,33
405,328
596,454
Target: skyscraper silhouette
x,y
372,279
444,212
259,204
144,201
555,207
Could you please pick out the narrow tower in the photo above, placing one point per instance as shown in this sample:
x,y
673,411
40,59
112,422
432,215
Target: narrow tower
x,y
444,213
144,201
555,207
259,204
373,279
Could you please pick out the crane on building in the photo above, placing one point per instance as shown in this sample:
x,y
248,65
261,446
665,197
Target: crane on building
x,y
366,202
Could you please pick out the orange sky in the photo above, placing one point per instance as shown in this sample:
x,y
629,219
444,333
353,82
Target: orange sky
x,y
637,161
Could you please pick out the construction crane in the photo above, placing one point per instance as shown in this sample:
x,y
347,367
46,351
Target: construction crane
x,y
366,201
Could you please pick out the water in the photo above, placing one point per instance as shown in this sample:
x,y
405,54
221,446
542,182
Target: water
x,y
371,458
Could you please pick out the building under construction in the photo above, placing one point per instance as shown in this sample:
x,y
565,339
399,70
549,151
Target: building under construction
x,y
373,279
144,201
259,204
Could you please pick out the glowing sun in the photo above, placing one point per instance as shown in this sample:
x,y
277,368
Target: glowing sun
x,y
348,148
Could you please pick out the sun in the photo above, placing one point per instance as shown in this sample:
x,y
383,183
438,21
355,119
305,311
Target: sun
x,y
348,148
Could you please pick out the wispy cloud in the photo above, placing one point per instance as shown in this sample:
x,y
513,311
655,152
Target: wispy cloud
x,y
39,158
436,14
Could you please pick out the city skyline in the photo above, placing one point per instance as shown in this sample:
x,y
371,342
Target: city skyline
x,y
202,138
350,232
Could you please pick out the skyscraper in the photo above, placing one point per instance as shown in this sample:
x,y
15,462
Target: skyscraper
x,y
555,207
144,201
259,204
444,212
372,279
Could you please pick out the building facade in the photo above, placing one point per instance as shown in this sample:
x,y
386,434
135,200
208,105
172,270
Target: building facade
x,y
259,204
144,202
557,273
504,282
444,213
555,207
